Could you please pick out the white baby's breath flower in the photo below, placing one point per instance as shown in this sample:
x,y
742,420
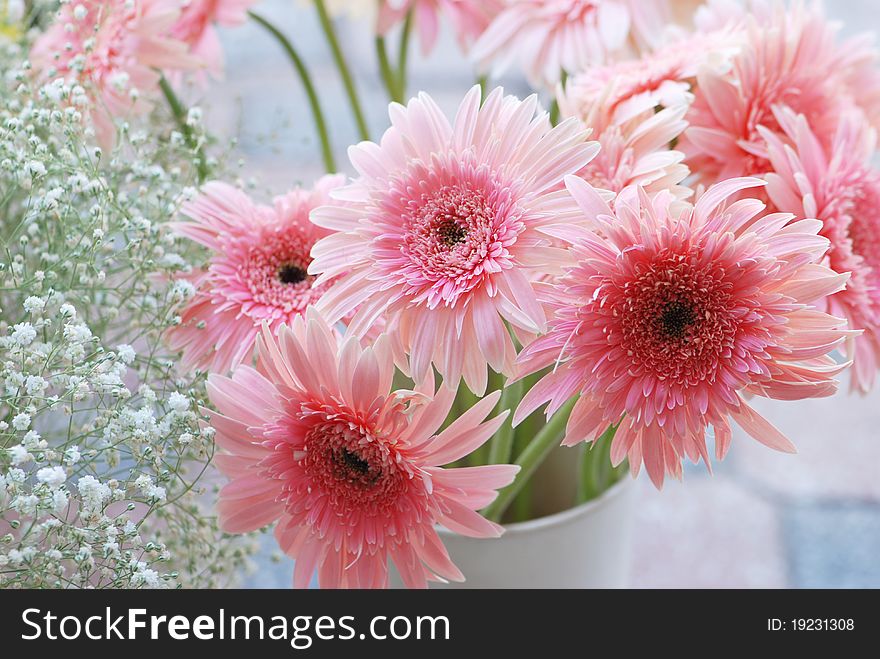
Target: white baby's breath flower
x,y
178,402
93,492
21,421
72,455
36,169
26,504
60,499
23,334
194,117
34,304
18,454
33,441
77,332
52,476
126,353
35,385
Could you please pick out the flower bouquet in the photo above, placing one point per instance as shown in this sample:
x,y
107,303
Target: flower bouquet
x,y
492,316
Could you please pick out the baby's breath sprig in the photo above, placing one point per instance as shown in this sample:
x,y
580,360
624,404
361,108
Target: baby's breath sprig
x,y
104,463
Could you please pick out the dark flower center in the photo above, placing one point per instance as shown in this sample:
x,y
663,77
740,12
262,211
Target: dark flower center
x,y
354,462
451,233
675,319
291,274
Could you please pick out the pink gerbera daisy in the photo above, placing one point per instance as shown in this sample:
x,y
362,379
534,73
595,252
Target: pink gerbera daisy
x,y
112,50
840,188
660,78
350,472
195,27
468,17
670,320
636,151
257,271
440,233
788,58
549,37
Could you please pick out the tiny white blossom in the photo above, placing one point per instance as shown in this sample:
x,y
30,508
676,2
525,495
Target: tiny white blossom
x,y
93,492
59,500
72,455
18,454
178,402
194,117
52,476
32,440
35,385
67,310
34,304
21,421
126,353
23,334
182,290
26,504
36,169
77,333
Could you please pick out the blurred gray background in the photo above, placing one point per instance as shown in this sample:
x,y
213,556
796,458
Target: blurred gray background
x,y
764,519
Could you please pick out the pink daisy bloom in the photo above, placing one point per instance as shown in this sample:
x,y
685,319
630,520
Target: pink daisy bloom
x,y
670,320
859,65
636,151
839,187
441,231
257,270
195,27
469,18
349,471
547,37
788,58
113,50
661,78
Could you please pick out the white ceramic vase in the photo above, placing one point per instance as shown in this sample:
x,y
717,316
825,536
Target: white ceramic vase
x,y
582,547
587,546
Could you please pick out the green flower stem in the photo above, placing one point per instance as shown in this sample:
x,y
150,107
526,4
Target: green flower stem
x,y
465,400
530,459
388,75
501,444
402,55
483,82
521,508
554,108
596,472
344,72
314,103
180,115
480,456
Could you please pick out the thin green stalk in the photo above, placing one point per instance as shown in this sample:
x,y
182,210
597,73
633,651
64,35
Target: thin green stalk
x,y
344,72
180,113
501,444
388,75
402,55
483,82
314,103
554,108
521,508
530,459
465,400
480,456
596,472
